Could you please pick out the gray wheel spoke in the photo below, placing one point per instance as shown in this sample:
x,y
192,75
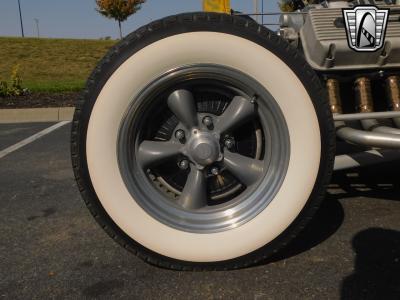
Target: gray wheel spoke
x,y
194,195
246,169
182,104
196,182
238,112
152,153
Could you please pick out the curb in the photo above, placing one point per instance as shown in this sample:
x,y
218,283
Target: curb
x,y
36,115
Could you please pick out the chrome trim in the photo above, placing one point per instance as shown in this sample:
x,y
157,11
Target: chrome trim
x,y
364,159
368,139
366,116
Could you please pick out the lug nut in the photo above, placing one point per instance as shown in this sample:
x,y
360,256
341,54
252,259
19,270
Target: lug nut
x,y
208,121
180,134
215,171
229,143
183,164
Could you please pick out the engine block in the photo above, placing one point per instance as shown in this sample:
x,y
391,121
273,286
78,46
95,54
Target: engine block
x,y
324,42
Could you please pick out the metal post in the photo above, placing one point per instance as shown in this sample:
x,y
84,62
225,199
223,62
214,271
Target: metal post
x,y
20,18
37,27
256,11
262,11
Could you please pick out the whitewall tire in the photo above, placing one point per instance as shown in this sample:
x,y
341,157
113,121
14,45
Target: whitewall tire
x,y
124,83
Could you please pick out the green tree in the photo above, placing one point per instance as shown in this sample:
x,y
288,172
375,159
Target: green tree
x,y
118,10
286,6
292,5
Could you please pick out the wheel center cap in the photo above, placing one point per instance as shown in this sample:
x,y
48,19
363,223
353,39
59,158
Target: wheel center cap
x,y
204,148
204,151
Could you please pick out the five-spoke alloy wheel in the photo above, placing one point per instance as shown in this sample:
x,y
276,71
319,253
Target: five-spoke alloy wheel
x,y
219,153
203,141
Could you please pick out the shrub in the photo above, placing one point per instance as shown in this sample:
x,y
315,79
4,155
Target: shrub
x,y
15,88
4,92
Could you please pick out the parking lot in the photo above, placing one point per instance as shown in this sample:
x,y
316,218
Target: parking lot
x,y
51,247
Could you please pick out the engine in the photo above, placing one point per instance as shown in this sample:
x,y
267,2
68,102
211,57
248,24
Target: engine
x,y
320,31
367,82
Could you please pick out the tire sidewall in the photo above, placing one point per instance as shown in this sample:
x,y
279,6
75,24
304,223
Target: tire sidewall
x,y
143,38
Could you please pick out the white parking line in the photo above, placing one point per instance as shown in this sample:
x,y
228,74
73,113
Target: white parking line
x,y
31,139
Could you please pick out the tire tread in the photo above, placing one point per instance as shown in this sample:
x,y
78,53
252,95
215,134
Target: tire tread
x,y
179,24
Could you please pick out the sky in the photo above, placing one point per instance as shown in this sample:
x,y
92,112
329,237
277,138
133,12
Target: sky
x,y
79,19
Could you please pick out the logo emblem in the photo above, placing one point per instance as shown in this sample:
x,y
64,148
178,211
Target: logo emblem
x,y
366,27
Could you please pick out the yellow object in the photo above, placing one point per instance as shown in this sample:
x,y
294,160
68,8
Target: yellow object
x,y
222,6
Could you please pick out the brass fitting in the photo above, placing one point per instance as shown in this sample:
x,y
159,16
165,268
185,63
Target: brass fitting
x,y
393,92
364,95
335,100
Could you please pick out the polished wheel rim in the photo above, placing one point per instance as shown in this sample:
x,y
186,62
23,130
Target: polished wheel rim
x,y
203,148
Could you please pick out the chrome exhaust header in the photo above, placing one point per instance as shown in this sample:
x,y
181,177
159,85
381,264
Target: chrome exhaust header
x,y
367,138
355,136
366,116
365,159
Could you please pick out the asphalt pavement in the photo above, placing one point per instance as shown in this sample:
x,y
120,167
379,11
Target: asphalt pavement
x,y
51,247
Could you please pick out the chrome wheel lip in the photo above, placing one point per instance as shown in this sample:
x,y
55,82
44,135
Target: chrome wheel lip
x,y
239,210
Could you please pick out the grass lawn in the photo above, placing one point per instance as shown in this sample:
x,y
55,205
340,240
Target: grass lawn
x,y
51,65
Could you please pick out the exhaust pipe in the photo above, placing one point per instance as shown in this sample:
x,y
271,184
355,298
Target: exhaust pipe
x,y
367,138
354,136
393,92
366,105
365,159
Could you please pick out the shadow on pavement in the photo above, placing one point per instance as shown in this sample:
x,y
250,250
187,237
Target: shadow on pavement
x,y
377,251
324,224
380,182
377,266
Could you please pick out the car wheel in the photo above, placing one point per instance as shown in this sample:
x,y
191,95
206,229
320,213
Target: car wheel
x,y
203,141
